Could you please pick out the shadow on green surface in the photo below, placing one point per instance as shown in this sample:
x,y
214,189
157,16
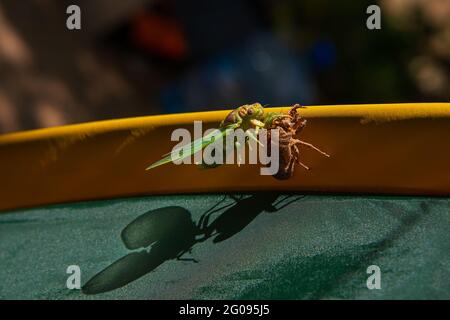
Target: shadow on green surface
x,y
237,217
171,232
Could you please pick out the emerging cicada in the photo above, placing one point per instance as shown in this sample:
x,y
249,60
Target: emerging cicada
x,y
253,116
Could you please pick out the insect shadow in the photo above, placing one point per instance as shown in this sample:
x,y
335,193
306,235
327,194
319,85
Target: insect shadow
x,y
170,232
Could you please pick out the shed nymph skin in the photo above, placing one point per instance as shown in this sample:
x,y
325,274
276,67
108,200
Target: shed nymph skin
x,y
289,126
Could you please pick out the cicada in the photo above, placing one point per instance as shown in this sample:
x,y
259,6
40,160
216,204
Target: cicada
x,y
249,116
252,116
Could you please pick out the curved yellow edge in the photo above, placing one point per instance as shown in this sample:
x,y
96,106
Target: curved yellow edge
x,y
375,148
376,112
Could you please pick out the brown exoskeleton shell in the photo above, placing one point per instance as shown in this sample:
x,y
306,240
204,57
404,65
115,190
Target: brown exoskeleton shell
x,y
289,127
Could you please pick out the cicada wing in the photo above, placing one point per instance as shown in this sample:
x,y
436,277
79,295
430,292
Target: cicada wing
x,y
227,148
183,152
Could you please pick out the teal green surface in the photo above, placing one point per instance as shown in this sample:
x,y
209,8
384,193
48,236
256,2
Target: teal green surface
x,y
260,246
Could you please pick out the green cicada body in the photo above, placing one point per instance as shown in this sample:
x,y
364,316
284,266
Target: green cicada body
x,y
250,116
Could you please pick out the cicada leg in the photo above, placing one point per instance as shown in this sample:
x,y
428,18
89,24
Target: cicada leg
x,y
297,156
296,141
257,123
253,136
303,165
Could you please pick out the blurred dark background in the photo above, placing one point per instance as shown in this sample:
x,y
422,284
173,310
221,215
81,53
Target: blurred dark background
x,y
143,57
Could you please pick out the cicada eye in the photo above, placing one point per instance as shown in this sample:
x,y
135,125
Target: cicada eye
x,y
250,111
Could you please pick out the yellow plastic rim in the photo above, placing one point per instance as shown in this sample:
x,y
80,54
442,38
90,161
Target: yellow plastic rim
x,y
382,149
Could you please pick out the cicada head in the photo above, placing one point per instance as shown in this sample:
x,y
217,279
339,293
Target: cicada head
x,y
250,111
244,113
255,111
